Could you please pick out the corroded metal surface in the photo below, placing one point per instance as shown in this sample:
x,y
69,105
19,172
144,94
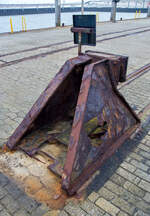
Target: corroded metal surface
x,y
82,111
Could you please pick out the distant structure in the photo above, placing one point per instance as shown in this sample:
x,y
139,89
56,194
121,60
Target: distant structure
x,y
128,6
87,3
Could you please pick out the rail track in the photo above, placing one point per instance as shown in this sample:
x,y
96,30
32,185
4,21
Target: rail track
x,y
135,74
69,41
130,78
43,54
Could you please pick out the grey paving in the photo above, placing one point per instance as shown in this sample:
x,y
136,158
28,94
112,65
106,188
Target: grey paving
x,y
123,186
15,202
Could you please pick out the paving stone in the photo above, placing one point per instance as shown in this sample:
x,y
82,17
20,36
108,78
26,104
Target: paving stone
x,y
121,213
1,207
107,206
124,205
4,135
3,180
13,190
73,210
21,212
3,192
144,154
140,213
118,179
106,214
134,189
10,203
136,156
91,209
147,162
128,159
116,189
142,175
147,197
52,213
130,198
40,211
144,206
106,194
144,147
127,175
93,196
4,212
12,115
144,185
128,166
139,165
63,213
27,203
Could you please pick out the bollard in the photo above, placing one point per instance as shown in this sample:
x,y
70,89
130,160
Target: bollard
x,y
97,17
25,24
11,25
82,7
22,23
148,13
139,13
57,13
114,10
135,15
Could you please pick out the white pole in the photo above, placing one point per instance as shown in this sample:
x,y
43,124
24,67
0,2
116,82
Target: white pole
x,y
58,12
113,11
128,3
82,7
148,13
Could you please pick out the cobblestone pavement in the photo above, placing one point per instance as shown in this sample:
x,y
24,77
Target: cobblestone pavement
x,y
123,186
14,202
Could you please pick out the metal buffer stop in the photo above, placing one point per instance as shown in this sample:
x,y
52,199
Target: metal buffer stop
x,y
81,112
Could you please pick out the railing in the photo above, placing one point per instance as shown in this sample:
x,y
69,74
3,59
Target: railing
x,y
88,3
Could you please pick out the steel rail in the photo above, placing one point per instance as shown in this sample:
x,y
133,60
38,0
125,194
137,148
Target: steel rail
x,y
65,49
136,74
68,41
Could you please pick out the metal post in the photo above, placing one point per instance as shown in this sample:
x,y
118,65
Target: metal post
x,y
82,7
148,13
79,43
113,11
58,12
128,3
136,4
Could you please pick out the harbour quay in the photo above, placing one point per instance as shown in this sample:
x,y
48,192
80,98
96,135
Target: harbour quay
x,y
28,62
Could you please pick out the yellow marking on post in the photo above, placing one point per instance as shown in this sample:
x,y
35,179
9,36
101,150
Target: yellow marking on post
x,y
22,24
135,15
139,13
97,17
11,25
25,24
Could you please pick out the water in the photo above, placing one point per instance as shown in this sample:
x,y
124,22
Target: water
x,y
37,21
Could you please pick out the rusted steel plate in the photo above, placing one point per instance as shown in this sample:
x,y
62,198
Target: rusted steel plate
x,y
99,103
82,30
53,92
82,112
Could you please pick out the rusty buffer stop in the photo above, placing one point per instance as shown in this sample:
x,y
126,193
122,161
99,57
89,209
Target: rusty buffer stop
x,y
80,111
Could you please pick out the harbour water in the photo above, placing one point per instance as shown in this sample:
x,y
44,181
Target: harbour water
x,y
38,21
